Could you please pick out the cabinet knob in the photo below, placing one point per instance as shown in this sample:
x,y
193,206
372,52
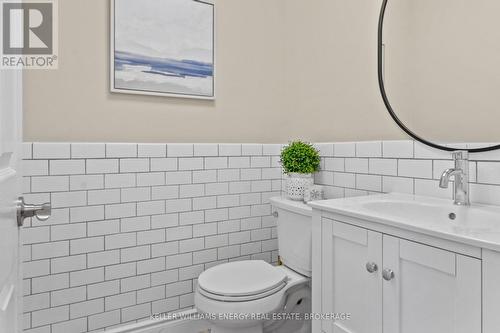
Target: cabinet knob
x,y
388,274
371,267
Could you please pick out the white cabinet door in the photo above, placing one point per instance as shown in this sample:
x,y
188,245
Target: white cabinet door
x,y
433,290
347,285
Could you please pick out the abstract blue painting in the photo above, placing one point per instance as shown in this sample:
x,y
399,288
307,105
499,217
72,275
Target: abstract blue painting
x,y
163,47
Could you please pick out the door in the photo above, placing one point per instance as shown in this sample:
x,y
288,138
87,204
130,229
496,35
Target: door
x,y
351,280
431,290
10,148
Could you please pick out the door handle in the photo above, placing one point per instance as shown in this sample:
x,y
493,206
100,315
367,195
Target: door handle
x,y
41,212
371,267
388,274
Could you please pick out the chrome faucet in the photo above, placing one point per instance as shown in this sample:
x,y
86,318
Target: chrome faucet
x,y
461,174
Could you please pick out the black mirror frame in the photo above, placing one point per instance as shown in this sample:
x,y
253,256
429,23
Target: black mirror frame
x,y
388,104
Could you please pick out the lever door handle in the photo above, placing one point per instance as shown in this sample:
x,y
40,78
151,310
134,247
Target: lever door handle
x,y
41,212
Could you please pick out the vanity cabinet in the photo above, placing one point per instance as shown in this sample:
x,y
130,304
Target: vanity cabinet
x,y
390,284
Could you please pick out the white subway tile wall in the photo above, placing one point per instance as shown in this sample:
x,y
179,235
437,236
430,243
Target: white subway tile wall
x,y
135,224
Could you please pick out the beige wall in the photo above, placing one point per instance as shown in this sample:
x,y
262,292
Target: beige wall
x,y
285,69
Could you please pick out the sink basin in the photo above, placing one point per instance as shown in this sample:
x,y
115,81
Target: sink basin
x,y
477,224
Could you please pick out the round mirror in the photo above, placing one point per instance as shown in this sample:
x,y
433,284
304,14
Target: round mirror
x,y
439,70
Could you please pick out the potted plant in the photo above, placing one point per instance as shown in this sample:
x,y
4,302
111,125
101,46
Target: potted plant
x,y
299,160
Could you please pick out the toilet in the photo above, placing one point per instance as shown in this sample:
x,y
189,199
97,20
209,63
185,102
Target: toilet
x,y
254,296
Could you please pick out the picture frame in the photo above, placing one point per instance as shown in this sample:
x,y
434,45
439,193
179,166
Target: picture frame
x,y
142,60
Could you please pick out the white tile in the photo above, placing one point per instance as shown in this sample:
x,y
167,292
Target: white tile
x,y
205,176
189,191
164,249
100,197
68,231
100,228
86,182
50,282
120,240
229,150
86,308
135,224
488,172
51,150
334,164
103,289
87,213
178,205
150,179
35,235
35,167
205,229
135,194
356,165
239,212
36,268
50,250
250,174
152,150
27,150
165,192
49,316
74,326
344,179
135,283
87,276
120,210
272,149
50,184
209,149
136,312
119,301
104,258
67,167
88,150
36,302
325,149
415,168
150,208
166,305
344,149
150,294
180,150
369,149
216,162
192,163
369,183
251,149
121,150
228,252
214,215
179,233
191,218
216,241
102,166
121,180
204,203
251,248
239,162
261,186
204,256
229,175
383,166
177,178
163,164
190,245
397,184
86,245
68,264
397,149
426,152
68,199
120,271
104,319
151,265
485,194
134,165
431,188
216,189
68,296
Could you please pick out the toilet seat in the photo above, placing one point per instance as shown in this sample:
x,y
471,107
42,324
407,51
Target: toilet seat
x,y
241,281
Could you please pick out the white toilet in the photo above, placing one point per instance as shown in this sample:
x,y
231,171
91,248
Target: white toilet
x,y
254,296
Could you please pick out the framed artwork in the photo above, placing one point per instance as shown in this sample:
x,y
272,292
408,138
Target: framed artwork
x,y
163,48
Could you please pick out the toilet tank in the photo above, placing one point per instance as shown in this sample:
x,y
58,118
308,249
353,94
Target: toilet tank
x,y
294,221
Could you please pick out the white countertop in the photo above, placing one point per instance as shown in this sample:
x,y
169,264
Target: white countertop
x,y
477,225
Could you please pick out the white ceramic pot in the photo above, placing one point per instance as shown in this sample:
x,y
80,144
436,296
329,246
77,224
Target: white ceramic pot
x,y
296,185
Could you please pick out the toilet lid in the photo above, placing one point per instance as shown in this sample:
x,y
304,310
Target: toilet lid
x,y
241,278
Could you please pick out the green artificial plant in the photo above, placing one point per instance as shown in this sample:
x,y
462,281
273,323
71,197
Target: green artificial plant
x,y
300,157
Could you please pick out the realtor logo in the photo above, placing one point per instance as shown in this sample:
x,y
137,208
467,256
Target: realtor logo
x,y
29,34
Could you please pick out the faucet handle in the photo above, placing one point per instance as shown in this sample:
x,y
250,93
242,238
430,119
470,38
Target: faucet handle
x,y
460,155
